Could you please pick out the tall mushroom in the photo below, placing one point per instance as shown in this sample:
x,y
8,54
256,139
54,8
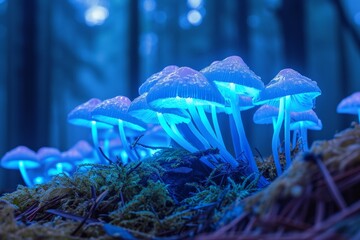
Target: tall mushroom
x,y
233,78
189,90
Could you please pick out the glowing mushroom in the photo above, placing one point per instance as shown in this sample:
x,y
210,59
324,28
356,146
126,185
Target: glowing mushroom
x,y
169,119
267,114
350,105
81,116
233,78
290,92
189,90
302,121
50,158
21,158
114,111
153,79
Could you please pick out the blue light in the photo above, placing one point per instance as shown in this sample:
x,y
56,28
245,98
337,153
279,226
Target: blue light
x,y
124,156
142,153
96,15
357,18
194,3
194,17
39,180
149,5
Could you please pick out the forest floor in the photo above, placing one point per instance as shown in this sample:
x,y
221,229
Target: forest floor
x,y
180,195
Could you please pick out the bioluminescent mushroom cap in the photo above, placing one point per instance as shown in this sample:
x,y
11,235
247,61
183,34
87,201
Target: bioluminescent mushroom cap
x,y
19,154
232,74
307,119
316,127
183,87
141,110
84,148
288,82
48,154
350,104
265,114
71,155
111,110
81,115
153,79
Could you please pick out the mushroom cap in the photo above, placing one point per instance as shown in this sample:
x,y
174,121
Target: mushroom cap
x,y
153,79
306,118
111,110
21,153
48,154
183,87
141,110
317,127
350,104
288,82
83,147
71,155
265,114
81,115
232,75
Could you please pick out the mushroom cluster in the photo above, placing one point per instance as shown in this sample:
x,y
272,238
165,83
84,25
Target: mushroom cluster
x,y
183,104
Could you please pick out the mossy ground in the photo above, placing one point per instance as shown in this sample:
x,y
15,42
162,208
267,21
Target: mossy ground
x,y
171,194
175,195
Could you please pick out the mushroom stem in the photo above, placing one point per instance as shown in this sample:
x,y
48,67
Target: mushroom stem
x,y
235,138
124,142
304,140
198,135
276,137
24,174
212,140
216,124
95,139
242,137
294,138
278,140
206,123
287,131
176,136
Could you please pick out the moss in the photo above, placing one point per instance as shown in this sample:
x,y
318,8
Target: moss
x,y
141,197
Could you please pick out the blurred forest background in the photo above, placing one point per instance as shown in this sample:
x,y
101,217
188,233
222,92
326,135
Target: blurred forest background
x,y
57,54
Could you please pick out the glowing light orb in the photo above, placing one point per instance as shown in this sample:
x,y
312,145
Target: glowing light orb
x,y
96,15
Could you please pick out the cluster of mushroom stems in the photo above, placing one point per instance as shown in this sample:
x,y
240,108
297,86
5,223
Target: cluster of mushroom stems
x,y
183,104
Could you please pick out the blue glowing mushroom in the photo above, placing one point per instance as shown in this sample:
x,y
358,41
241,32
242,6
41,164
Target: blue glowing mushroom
x,y
233,78
81,116
168,118
153,79
290,92
21,158
350,105
189,90
114,111
300,122
267,114
50,158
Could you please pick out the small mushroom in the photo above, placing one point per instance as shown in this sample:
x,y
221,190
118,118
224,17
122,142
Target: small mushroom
x,y
350,105
302,121
114,112
81,116
21,158
289,91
